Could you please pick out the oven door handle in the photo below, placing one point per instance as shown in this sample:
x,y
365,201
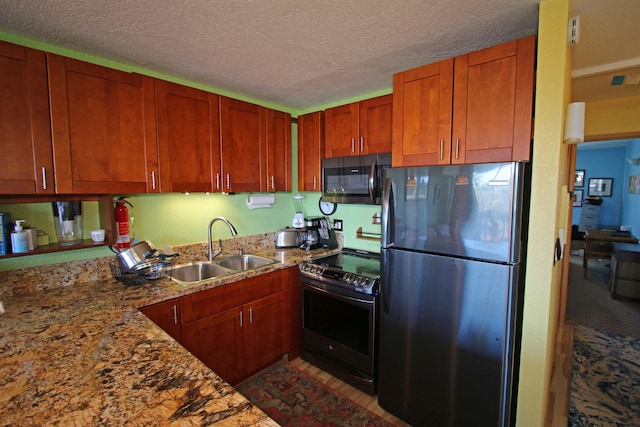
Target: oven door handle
x,y
335,295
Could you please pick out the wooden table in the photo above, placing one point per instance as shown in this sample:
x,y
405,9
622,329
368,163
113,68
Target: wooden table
x,y
624,279
599,244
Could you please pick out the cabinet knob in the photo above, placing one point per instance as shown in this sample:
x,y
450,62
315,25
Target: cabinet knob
x,y
353,146
441,148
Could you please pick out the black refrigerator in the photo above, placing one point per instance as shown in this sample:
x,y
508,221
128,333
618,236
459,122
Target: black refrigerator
x,y
452,283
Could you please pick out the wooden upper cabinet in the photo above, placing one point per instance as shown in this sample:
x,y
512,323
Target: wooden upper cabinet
x,y
25,138
310,151
375,125
474,109
341,130
278,141
422,102
242,130
104,129
188,138
359,128
493,103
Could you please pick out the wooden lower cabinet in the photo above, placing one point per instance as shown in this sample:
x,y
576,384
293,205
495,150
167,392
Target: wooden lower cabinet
x,y
239,328
166,314
218,341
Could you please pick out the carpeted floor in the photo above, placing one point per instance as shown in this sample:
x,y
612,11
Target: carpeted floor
x,y
292,398
589,302
605,379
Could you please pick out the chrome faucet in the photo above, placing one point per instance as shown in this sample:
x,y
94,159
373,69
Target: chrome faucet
x,y
212,255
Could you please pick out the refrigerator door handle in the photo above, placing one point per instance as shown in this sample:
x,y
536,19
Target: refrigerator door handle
x,y
385,280
372,177
387,214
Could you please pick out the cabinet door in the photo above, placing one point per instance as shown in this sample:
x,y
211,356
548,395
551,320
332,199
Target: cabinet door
x,y
242,130
278,177
375,125
218,341
310,150
341,131
104,128
166,315
294,312
422,102
493,103
25,138
265,331
188,138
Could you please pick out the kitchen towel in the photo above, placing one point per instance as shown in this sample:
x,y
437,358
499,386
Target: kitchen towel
x,y
255,201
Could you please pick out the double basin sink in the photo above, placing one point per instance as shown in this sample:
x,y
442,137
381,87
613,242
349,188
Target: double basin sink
x,y
199,271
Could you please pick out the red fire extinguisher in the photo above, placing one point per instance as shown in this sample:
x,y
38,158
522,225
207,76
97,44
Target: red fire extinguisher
x,y
123,239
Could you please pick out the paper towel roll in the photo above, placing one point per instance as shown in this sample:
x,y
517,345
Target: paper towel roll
x,y
256,201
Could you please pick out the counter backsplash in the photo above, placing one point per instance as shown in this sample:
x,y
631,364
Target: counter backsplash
x,y
33,279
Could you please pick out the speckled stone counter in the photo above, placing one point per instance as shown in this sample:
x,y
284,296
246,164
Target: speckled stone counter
x,y
82,354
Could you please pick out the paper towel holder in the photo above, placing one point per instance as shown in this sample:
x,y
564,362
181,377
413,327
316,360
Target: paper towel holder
x,y
257,201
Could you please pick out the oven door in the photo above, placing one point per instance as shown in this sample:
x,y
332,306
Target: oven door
x,y
339,324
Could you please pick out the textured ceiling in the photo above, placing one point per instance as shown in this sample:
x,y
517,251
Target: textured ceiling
x,y
297,54
609,45
301,54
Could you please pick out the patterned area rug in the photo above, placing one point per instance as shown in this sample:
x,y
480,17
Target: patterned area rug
x,y
605,379
292,398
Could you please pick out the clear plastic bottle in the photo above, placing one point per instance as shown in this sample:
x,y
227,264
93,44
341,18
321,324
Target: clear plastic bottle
x,y
19,239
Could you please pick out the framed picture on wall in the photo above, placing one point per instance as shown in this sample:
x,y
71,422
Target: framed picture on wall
x,y
600,187
579,181
577,198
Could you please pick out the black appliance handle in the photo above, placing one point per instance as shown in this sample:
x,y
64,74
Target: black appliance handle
x,y
385,279
372,176
387,214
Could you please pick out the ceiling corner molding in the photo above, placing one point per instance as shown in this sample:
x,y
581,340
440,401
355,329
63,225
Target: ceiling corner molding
x,y
605,68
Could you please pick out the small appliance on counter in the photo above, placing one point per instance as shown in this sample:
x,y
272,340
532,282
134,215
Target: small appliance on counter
x,y
298,216
328,238
287,238
310,234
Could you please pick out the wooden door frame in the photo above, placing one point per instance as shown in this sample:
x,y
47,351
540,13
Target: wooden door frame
x,y
571,169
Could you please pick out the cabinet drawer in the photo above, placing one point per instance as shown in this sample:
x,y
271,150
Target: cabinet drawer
x,y
216,300
590,209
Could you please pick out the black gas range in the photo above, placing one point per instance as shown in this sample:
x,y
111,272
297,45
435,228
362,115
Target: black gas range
x,y
351,269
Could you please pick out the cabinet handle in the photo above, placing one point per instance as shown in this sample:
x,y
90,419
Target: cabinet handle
x,y
353,145
314,182
441,148
457,150
217,181
250,314
273,185
44,178
240,313
153,180
228,182
175,314
361,143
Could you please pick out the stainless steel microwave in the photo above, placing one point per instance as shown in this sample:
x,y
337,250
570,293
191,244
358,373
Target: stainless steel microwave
x,y
354,179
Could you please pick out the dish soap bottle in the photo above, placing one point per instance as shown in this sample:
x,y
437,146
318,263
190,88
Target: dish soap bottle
x,y
19,239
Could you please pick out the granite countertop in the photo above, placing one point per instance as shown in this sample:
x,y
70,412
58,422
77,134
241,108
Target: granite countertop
x,y
84,355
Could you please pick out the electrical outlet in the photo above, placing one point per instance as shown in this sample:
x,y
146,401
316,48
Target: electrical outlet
x,y
337,224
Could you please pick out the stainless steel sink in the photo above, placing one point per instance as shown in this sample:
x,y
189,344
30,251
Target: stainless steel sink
x,y
196,272
244,262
